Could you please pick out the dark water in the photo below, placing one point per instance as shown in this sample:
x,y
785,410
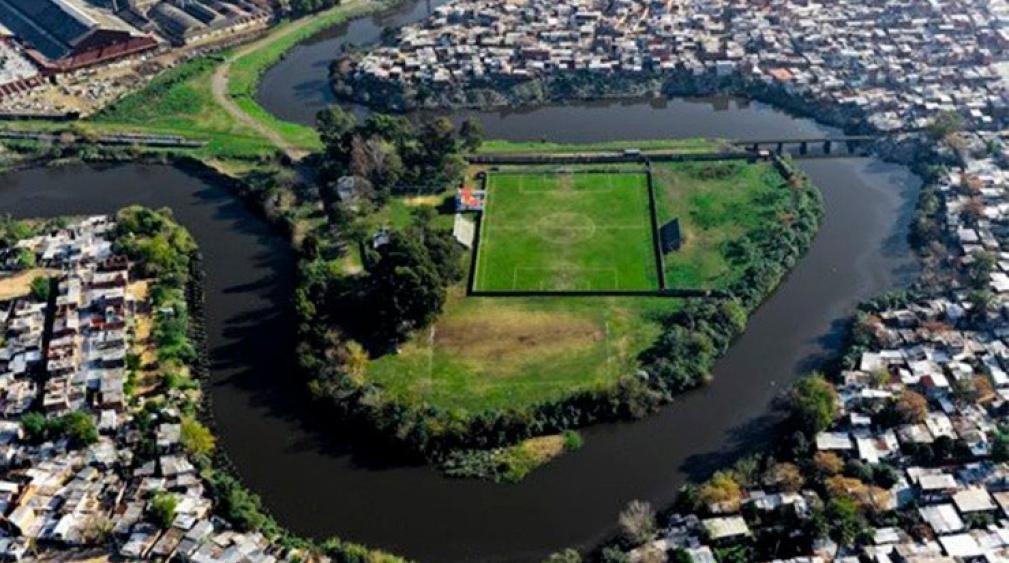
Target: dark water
x,y
298,87
319,485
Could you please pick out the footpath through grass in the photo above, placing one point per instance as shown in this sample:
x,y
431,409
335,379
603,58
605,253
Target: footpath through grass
x,y
252,61
181,101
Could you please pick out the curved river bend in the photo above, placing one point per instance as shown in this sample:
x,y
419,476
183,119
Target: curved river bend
x,y
318,484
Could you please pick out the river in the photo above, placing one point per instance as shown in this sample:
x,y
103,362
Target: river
x,y
318,484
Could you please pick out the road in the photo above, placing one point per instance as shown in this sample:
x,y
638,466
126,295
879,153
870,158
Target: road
x,y
219,87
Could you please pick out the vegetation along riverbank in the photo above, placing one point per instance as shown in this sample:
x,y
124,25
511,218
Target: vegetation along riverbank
x,y
436,367
135,292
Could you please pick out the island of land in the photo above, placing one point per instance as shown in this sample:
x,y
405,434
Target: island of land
x,y
472,302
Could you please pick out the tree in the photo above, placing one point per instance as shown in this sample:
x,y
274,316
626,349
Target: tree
x,y
35,427
785,476
844,521
613,554
1000,444
354,359
981,267
196,438
39,289
437,137
392,128
472,133
944,124
965,390
235,503
828,463
637,522
334,125
162,509
79,428
981,301
721,489
911,407
813,404
407,290
25,259
97,530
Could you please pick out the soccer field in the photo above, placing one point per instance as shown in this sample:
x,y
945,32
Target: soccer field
x,y
566,232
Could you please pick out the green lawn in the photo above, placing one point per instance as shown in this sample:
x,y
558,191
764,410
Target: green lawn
x,y
715,203
488,353
566,231
179,102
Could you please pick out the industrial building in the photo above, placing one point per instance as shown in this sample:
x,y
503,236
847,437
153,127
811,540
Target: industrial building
x,y
64,35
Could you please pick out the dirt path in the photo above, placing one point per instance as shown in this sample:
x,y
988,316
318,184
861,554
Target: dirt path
x,y
219,87
221,77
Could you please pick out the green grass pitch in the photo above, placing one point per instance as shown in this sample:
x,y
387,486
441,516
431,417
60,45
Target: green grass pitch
x,y
566,232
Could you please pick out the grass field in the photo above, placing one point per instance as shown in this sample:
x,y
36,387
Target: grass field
x,y
716,203
179,102
487,353
566,232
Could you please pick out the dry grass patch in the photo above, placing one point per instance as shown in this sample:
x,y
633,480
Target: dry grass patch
x,y
513,336
19,284
544,448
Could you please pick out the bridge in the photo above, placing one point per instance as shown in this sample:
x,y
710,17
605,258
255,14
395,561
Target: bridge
x,y
850,141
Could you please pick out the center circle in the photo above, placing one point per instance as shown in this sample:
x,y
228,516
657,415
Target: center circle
x,y
565,227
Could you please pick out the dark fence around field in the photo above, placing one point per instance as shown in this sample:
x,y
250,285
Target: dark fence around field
x,y
669,292
607,157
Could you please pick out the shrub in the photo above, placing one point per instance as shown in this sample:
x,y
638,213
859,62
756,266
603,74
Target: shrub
x,y
39,289
162,509
196,438
813,404
637,522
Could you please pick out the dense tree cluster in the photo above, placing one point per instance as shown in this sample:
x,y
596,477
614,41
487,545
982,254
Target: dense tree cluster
x,y
403,286
161,249
392,153
76,427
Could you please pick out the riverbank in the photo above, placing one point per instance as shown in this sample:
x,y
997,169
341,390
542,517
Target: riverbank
x,y
181,378
211,99
317,477
489,373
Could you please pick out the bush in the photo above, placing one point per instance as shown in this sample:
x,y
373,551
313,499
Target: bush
x,y
813,404
572,440
637,522
77,427
162,509
196,438
39,289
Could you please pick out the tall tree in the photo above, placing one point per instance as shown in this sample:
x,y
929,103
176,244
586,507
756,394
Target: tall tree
x,y
813,403
408,292
472,133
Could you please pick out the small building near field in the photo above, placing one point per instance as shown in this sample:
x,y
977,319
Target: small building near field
x,y
468,199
